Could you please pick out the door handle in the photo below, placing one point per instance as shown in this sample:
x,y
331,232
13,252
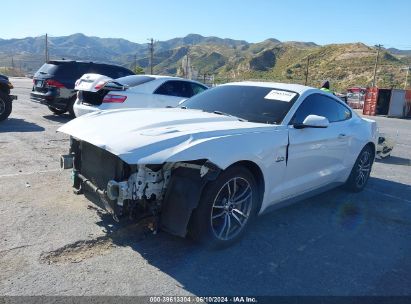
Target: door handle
x,y
341,135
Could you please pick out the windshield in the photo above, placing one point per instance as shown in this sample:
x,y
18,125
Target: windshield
x,y
252,103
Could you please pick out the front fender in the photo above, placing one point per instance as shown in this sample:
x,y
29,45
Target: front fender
x,y
223,151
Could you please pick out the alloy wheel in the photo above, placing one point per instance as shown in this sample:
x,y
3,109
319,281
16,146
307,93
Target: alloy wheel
x,y
363,169
231,208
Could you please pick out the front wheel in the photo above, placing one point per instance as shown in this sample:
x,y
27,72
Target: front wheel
x,y
5,106
227,206
360,173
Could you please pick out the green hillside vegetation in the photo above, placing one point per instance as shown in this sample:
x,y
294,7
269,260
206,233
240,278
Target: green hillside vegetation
x,y
344,65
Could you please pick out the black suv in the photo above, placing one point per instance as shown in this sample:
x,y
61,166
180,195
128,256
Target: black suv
x,y
53,83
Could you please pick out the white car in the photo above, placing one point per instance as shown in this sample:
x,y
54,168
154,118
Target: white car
x,y
98,92
208,167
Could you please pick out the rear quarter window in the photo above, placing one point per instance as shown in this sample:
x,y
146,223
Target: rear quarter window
x,y
196,88
72,71
48,68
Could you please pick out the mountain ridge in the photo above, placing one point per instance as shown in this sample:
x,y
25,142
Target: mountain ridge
x,y
227,59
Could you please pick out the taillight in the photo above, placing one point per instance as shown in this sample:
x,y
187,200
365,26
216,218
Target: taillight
x,y
54,83
114,98
100,85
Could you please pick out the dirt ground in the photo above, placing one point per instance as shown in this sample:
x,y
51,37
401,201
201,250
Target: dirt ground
x,y
53,242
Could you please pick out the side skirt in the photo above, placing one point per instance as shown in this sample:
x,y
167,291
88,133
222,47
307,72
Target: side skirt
x,y
300,197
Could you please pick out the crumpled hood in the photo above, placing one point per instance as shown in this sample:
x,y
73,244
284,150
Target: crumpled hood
x,y
138,134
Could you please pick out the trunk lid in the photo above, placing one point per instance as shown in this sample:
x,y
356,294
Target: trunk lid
x,y
88,82
87,91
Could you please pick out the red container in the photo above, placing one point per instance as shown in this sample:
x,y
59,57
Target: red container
x,y
370,101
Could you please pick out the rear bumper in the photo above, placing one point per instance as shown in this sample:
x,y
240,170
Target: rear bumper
x,y
82,109
49,99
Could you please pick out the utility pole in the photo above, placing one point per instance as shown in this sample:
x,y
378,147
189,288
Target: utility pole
x,y
12,62
187,62
135,63
306,71
46,50
376,64
151,49
406,76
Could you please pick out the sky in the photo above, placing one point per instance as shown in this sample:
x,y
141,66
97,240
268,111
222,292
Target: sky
x,y
323,22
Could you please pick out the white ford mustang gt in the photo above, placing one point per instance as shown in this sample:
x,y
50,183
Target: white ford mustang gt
x,y
208,167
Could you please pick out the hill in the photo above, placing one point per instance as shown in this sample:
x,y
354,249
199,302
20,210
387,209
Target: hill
x,y
227,59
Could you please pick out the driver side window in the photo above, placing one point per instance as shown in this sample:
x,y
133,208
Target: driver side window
x,y
318,104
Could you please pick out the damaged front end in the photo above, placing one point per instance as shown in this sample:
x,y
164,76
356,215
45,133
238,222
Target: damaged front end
x,y
168,192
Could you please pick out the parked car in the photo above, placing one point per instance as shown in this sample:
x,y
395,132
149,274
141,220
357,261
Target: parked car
x,y
208,167
5,97
342,96
98,92
53,83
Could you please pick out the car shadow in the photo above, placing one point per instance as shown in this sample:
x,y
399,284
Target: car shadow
x,y
395,160
63,118
336,243
19,125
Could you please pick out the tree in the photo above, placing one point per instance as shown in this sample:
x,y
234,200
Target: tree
x,y
138,70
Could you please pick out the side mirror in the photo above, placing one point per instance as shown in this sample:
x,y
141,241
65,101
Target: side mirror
x,y
313,121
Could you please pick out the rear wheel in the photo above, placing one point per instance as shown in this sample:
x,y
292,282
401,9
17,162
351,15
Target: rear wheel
x,y
70,107
360,173
5,106
227,206
57,111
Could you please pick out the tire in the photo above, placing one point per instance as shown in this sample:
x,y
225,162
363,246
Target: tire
x,y
70,107
57,111
226,208
5,106
361,170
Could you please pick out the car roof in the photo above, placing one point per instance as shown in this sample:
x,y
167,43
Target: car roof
x,y
165,77
298,88
85,61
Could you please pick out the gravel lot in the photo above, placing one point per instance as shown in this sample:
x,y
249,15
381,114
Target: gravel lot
x,y
53,242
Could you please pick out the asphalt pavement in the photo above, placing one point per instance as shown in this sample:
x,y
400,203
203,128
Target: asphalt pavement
x,y
53,242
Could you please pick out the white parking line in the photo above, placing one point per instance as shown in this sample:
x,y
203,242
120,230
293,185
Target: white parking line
x,y
29,173
389,195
